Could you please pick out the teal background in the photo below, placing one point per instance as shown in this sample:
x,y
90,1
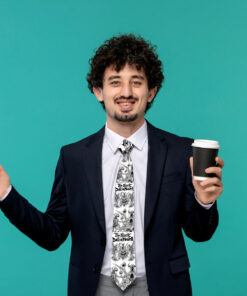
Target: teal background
x,y
45,103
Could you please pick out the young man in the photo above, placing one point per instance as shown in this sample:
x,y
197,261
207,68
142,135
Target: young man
x,y
125,192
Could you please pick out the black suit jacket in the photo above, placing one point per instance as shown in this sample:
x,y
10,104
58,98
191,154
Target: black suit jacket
x,y
77,205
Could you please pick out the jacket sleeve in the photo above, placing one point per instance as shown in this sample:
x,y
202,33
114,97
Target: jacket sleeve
x,y
198,223
49,229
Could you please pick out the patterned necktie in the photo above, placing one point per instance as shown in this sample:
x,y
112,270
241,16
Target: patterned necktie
x,y
123,266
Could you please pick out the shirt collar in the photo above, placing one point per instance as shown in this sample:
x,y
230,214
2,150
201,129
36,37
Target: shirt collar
x,y
138,139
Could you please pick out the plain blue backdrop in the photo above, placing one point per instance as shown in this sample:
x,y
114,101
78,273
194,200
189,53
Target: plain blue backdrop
x,y
45,103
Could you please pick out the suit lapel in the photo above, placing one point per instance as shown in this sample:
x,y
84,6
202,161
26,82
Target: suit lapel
x,y
93,165
157,152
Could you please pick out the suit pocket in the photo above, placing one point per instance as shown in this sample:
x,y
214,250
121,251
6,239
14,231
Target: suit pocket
x,y
179,264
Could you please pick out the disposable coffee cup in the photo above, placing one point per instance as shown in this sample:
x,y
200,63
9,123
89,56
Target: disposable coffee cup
x,y
204,154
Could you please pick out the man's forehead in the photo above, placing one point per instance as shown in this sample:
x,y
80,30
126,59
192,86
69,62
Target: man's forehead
x,y
126,69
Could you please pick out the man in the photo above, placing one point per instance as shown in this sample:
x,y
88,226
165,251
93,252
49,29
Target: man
x,y
125,192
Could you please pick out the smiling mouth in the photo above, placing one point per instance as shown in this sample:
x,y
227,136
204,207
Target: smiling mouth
x,y
126,105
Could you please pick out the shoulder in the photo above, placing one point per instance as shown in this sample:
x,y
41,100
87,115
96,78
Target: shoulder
x,y
173,141
83,143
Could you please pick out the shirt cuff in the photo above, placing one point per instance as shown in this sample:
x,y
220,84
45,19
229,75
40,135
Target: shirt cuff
x,y
9,189
207,207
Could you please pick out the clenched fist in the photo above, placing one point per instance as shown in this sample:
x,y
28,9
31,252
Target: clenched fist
x,y
4,182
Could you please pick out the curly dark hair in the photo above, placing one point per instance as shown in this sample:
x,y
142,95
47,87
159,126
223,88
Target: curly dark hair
x,y
122,49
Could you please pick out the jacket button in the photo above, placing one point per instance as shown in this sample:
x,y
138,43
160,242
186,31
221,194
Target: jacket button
x,y
96,269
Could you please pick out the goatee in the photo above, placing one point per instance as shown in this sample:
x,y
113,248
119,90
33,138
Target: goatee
x,y
125,118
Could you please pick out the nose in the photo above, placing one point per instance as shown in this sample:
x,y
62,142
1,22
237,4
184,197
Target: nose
x,y
126,90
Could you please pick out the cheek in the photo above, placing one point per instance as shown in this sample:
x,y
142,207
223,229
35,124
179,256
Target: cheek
x,y
144,99
109,95
143,94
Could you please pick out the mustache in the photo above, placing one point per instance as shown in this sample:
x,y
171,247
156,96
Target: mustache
x,y
125,98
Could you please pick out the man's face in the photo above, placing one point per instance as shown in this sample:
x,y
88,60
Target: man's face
x,y
125,93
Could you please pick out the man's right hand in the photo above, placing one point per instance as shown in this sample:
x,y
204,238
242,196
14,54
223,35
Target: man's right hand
x,y
4,182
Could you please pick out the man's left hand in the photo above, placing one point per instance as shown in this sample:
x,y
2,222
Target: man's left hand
x,y
209,190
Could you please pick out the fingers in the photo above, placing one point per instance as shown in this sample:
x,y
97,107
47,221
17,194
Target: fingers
x,y
213,185
213,189
220,161
214,170
211,181
1,169
191,164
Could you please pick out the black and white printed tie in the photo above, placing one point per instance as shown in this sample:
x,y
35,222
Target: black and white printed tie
x,y
123,265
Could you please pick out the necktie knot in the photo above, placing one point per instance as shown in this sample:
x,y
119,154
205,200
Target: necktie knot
x,y
125,146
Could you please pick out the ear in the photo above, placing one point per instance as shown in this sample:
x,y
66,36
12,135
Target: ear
x,y
151,93
98,93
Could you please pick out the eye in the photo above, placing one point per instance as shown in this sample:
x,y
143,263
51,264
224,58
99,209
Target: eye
x,y
115,82
137,83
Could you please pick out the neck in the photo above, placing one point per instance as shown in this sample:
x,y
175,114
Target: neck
x,y
125,129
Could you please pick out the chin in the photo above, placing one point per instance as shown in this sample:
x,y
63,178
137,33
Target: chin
x,y
126,117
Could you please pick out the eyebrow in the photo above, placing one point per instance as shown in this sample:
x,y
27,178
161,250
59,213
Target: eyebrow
x,y
118,76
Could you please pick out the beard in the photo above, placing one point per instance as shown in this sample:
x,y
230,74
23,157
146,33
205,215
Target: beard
x,y
126,117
